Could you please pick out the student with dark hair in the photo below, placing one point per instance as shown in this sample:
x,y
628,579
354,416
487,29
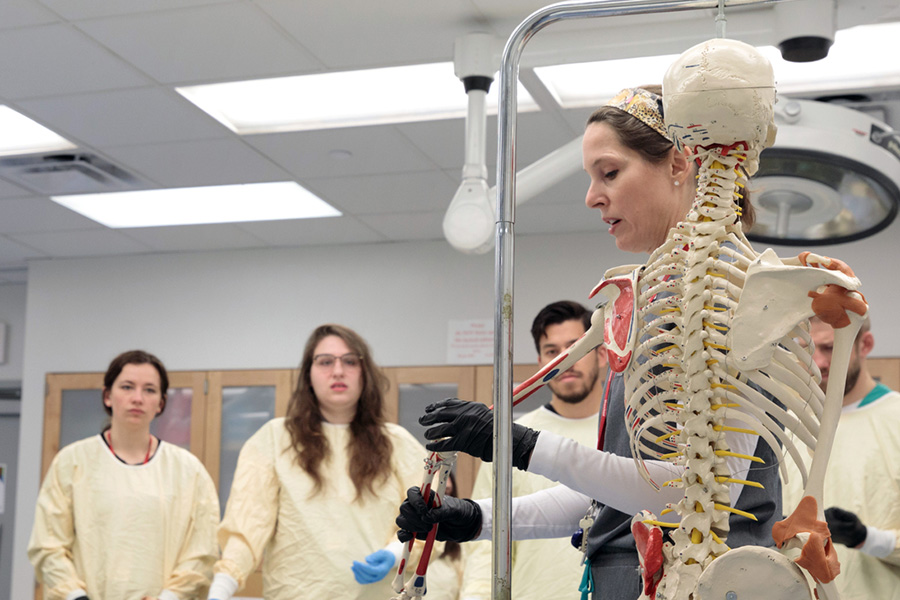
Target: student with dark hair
x,y
572,412
123,514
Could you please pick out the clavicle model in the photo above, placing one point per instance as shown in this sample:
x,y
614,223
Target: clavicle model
x,y
712,339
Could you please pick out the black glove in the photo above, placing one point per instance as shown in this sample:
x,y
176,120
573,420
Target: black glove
x,y
845,527
469,427
459,519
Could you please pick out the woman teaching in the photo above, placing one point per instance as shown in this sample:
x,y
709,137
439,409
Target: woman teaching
x,y
642,186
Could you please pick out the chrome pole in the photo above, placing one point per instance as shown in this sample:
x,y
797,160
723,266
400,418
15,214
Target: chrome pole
x,y
505,242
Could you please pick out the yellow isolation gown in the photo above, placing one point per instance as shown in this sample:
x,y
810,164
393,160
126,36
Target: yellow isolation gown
x,y
122,532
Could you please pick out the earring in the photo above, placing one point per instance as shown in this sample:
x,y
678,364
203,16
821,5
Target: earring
x,y
677,183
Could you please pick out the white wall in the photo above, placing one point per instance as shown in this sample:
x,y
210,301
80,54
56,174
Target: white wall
x,y
12,313
254,309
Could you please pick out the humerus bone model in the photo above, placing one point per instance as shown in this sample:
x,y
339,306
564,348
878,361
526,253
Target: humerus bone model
x,y
706,332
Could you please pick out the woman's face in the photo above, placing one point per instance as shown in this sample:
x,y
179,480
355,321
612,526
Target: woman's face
x,y
337,386
638,200
135,396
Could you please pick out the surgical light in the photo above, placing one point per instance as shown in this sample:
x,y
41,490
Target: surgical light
x,y
833,176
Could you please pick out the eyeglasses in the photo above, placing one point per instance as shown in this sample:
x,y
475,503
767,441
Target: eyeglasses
x,y
326,361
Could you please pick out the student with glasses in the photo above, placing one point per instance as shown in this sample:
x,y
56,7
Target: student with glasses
x,y
319,488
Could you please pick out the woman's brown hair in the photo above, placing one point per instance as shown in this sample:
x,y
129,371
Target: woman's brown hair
x,y
370,448
653,147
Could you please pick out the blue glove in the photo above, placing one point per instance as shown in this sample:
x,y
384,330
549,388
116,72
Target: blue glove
x,y
377,565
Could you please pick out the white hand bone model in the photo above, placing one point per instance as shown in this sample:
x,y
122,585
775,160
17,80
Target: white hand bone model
x,y
706,333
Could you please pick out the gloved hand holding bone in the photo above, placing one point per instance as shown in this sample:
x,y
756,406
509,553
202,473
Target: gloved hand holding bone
x,y
459,520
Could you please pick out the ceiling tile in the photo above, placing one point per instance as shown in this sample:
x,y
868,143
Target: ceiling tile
x,y
125,117
217,236
568,192
203,44
564,218
38,214
444,141
56,59
408,226
538,134
22,13
12,252
310,232
13,266
94,242
87,9
513,11
391,193
372,150
376,33
14,272
10,190
577,117
205,162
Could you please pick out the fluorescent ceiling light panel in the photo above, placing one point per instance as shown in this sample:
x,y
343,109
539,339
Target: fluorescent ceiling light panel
x,y
192,206
861,57
345,99
21,135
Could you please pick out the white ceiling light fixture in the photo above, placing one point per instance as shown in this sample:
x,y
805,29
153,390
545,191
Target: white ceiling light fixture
x,y
191,206
833,176
859,59
22,135
344,99
470,219
465,226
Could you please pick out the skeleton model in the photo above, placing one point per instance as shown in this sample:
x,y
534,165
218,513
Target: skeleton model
x,y
707,333
713,341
